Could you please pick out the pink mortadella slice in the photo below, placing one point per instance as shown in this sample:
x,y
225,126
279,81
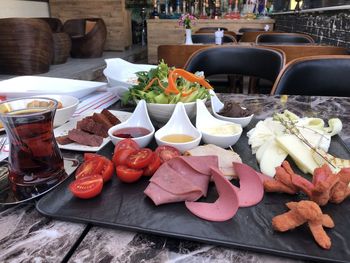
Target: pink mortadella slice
x,y
224,208
251,190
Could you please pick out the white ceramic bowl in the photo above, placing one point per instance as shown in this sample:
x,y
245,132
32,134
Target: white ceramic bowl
x,y
217,105
121,73
205,121
139,118
161,113
69,105
179,123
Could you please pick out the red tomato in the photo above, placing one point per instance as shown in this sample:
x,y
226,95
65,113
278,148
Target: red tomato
x,y
89,156
140,159
126,144
97,165
153,166
128,175
87,187
166,152
120,156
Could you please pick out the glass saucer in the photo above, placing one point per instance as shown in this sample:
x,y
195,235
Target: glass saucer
x,y
7,197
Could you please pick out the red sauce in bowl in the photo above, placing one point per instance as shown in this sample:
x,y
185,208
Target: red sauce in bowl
x,y
131,132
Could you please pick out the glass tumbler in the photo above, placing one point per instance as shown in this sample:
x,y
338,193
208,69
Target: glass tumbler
x,y
35,161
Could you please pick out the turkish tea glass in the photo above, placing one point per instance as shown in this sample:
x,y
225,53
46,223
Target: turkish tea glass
x,y
35,161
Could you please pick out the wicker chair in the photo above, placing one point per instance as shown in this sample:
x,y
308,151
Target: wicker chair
x,y
61,41
26,46
88,37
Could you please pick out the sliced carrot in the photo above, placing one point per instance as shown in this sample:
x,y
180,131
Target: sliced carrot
x,y
151,83
192,77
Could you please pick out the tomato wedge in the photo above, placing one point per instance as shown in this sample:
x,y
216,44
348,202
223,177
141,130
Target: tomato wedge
x,y
139,159
96,164
153,166
166,152
121,156
126,144
87,187
128,175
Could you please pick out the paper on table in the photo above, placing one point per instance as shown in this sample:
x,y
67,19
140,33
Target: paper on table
x,y
97,100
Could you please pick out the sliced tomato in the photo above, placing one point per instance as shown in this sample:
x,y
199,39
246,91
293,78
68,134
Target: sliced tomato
x,y
153,166
126,144
166,152
140,159
128,175
121,156
97,165
87,187
89,156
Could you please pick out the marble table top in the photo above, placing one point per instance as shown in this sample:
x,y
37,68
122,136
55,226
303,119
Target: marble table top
x,y
27,236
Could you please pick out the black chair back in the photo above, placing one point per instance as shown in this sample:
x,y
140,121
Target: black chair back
x,y
259,62
212,29
210,38
315,76
285,38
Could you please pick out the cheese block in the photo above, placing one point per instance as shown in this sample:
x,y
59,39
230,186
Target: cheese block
x,y
301,153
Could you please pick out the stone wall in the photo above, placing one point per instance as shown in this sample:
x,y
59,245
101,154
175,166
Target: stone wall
x,y
328,27
113,12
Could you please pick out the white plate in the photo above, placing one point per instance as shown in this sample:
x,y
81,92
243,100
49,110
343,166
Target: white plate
x,y
63,130
25,86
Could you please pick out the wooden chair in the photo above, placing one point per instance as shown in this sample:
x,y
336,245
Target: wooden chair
x,y
206,38
88,37
298,51
248,29
284,38
250,36
210,29
177,55
241,60
61,41
26,46
315,76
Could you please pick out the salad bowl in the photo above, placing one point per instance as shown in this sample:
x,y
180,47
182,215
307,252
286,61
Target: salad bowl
x,y
217,105
215,131
179,123
138,119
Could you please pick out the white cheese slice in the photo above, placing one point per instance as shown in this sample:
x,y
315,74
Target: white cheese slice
x,y
301,154
272,157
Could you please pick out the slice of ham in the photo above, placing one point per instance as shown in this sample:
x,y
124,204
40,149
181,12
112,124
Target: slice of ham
x,y
251,190
181,179
224,208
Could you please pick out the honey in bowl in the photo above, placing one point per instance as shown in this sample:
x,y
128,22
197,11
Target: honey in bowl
x,y
177,138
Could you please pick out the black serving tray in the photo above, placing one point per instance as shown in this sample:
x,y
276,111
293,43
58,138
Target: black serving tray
x,y
124,206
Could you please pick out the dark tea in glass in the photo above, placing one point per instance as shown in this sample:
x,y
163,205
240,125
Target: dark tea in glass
x,y
35,161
